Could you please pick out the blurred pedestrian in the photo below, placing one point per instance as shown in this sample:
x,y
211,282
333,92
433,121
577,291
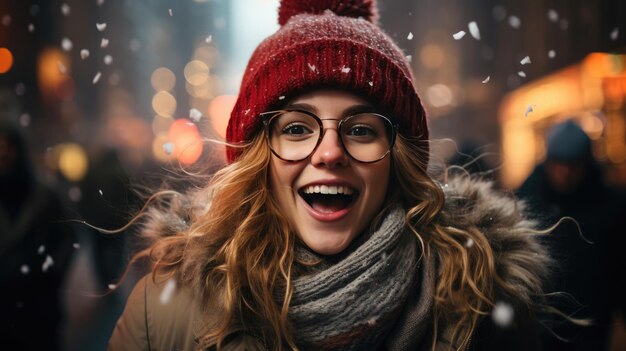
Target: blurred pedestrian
x,y
590,268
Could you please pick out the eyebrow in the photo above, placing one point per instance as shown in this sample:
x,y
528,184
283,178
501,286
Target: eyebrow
x,y
352,110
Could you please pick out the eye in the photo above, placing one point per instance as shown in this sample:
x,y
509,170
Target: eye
x,y
296,129
361,131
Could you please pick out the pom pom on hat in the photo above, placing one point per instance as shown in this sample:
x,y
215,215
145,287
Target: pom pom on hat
x,y
348,8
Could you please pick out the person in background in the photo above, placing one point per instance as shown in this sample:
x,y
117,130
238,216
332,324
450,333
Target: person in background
x,y
590,263
36,248
325,231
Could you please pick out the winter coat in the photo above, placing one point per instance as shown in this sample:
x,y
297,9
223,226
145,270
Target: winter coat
x,y
148,324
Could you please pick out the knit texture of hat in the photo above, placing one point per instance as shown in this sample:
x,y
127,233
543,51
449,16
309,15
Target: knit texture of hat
x,y
331,44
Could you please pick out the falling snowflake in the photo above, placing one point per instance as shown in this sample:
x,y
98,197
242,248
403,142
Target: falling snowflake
x,y
486,80
170,12
553,16
469,243
108,59
6,20
345,69
66,44
514,21
47,263
62,68
410,36
41,249
312,67
24,269
502,314
551,54
168,148
525,61
371,83
282,97
31,27
96,78
168,291
65,9
474,31
104,43
521,74
101,26
529,110
615,33
458,35
84,53
409,58
112,286
100,191
208,39
76,246
24,119
195,115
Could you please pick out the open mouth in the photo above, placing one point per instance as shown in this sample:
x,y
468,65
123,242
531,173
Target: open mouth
x,y
328,198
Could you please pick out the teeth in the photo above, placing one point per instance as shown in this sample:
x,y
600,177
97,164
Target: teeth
x,y
328,189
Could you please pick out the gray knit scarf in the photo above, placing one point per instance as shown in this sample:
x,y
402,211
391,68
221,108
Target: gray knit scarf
x,y
354,304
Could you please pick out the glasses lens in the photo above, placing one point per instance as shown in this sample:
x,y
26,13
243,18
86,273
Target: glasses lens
x,y
367,137
293,135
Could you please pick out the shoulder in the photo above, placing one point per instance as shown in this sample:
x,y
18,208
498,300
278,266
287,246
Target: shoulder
x,y
158,316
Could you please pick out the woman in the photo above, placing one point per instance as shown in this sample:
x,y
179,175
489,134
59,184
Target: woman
x,y
325,231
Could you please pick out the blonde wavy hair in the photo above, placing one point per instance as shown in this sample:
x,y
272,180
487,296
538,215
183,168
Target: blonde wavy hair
x,y
237,250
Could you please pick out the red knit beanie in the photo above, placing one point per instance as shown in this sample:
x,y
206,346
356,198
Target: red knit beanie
x,y
327,44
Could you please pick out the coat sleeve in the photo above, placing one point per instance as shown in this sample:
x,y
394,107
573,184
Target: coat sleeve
x,y
131,332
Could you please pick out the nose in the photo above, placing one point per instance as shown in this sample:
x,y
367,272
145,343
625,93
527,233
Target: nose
x,y
330,152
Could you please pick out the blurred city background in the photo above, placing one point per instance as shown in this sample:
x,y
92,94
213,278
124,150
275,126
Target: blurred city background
x,y
114,94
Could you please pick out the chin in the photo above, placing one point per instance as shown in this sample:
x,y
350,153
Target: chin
x,y
327,247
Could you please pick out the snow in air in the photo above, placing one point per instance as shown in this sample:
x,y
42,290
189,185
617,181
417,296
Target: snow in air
x,y
104,43
474,31
47,263
100,191
31,27
409,58
76,246
168,291
24,269
410,36
208,39
41,249
84,53
345,69
112,286
521,74
282,97
65,9
551,54
525,61
96,78
312,67
66,44
195,115
108,59
170,12
458,35
6,20
371,83
62,68
486,80
101,26
502,314
514,21
168,148
553,16
24,119
529,110
615,34
469,243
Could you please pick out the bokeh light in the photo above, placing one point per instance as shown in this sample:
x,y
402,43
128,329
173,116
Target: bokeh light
x,y
6,60
164,104
186,141
72,161
163,79
219,112
196,72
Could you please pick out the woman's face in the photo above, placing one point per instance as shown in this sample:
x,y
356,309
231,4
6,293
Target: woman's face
x,y
328,223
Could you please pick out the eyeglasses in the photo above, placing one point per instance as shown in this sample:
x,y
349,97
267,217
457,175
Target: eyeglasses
x,y
293,135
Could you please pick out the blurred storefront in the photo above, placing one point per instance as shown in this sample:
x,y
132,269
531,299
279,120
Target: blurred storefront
x,y
591,92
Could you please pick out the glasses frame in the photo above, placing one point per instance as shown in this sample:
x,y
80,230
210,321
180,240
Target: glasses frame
x,y
268,116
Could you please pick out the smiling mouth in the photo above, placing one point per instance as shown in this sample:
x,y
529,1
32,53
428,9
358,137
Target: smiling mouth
x,y
328,198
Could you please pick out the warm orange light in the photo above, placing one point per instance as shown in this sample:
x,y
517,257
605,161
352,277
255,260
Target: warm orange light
x,y
186,140
219,112
6,60
51,80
